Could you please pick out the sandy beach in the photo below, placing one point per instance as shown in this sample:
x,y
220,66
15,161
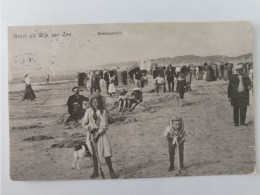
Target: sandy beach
x,y
213,145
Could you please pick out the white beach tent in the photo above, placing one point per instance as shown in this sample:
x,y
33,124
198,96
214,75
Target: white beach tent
x,y
145,65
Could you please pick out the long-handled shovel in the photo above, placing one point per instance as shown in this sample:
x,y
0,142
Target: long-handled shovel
x,y
179,158
19,93
113,107
99,164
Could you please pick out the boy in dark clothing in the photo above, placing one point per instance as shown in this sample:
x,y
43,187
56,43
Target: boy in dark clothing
x,y
181,88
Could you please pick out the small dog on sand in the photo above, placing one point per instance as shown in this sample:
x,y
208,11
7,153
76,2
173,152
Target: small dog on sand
x,y
81,151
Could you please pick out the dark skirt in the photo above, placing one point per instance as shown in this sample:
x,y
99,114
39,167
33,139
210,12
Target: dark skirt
x,y
29,93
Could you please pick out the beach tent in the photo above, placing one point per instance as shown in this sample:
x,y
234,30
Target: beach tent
x,y
221,70
201,72
205,66
113,72
100,73
122,77
215,69
185,70
145,65
247,67
82,79
193,71
225,73
132,70
229,70
153,66
210,74
144,78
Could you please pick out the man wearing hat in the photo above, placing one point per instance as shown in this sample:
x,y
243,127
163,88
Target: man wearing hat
x,y
75,106
238,94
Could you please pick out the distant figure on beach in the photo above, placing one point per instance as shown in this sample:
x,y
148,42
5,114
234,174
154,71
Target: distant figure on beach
x,y
159,83
137,78
170,74
178,71
181,87
75,106
28,93
188,80
238,94
251,74
48,79
94,85
135,98
111,88
106,78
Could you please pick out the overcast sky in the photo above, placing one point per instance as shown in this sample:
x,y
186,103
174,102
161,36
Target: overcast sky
x,y
83,47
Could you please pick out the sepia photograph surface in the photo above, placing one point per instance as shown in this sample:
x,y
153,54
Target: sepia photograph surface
x,y
118,101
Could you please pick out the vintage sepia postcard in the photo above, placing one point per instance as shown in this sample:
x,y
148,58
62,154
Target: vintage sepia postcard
x,y
118,101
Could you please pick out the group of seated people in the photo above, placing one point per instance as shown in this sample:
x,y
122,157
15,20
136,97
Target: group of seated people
x,y
77,104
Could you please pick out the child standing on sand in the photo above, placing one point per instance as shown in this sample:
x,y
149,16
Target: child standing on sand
x,y
181,88
176,137
159,83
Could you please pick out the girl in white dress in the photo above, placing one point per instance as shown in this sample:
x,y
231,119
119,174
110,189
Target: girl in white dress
x,y
96,123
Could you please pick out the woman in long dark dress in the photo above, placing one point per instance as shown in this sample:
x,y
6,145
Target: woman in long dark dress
x,y
28,93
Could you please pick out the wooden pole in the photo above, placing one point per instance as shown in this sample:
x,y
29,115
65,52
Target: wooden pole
x,y
179,159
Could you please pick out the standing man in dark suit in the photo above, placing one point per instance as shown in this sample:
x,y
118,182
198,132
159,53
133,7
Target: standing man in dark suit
x,y
238,94
170,73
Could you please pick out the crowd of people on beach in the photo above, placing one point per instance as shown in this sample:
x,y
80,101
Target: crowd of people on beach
x,y
93,111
